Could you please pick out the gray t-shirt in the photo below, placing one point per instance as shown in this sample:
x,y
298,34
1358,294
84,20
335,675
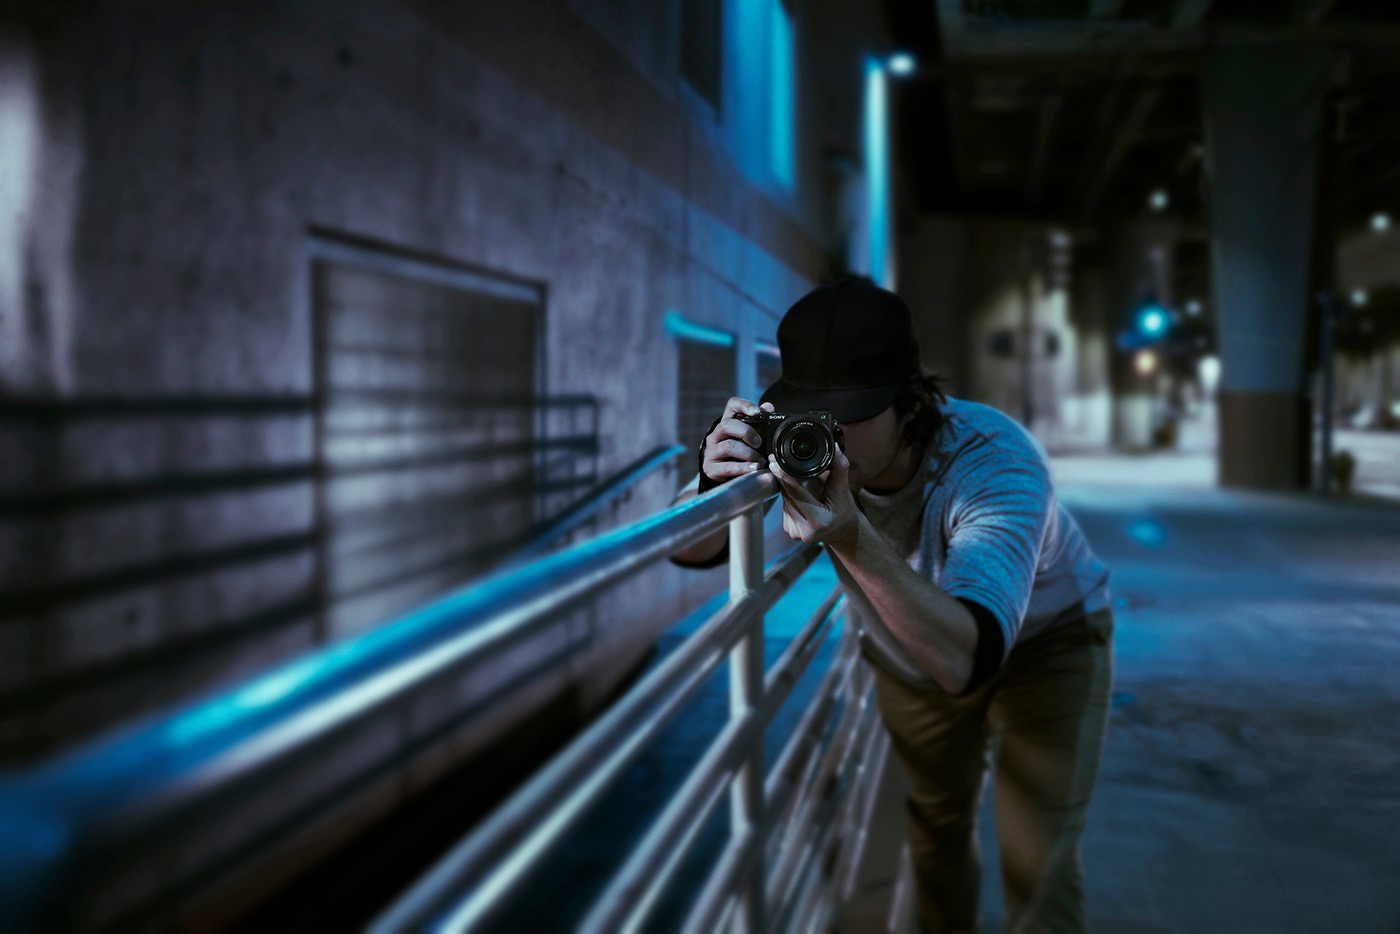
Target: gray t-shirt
x,y
981,521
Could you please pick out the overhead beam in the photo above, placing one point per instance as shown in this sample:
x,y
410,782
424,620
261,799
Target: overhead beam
x,y
959,133
1189,14
1128,132
1189,158
1044,132
1050,40
1312,12
950,20
1370,185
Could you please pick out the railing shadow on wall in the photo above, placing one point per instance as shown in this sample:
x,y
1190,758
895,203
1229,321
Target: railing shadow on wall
x,y
135,829
153,547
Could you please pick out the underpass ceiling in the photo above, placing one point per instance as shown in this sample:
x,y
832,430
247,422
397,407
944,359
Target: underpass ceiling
x,y
1077,110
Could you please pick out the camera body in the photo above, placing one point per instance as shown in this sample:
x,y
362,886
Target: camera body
x,y
803,442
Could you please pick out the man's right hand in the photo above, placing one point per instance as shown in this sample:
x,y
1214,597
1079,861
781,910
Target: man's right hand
x,y
732,448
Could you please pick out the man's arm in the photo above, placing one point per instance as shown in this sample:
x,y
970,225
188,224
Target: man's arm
x,y
703,552
936,629
729,450
939,631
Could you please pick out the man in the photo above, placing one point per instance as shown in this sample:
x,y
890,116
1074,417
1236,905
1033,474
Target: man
x,y
981,608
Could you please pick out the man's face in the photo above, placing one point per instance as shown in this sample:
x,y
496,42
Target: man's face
x,y
872,446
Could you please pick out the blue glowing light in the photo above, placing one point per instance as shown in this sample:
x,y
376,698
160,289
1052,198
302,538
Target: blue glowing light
x,y
678,326
901,63
781,78
1149,533
1153,320
877,176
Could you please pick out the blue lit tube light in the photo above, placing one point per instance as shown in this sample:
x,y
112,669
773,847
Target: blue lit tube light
x,y
782,118
678,326
877,175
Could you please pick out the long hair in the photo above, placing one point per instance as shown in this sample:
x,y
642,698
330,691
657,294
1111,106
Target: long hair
x,y
922,399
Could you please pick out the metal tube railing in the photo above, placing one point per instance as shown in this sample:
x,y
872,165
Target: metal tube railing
x,y
85,809
580,775
609,491
779,812
745,701
66,827
628,901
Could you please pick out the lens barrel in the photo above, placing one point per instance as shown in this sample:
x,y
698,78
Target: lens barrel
x,y
804,447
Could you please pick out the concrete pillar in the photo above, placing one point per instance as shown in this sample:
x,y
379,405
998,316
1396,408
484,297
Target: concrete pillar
x,y
1263,109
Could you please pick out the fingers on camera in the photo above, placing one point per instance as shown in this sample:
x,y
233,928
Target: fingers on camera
x,y
739,450
721,470
739,406
733,428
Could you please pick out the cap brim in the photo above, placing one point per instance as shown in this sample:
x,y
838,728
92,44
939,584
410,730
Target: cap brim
x,y
848,405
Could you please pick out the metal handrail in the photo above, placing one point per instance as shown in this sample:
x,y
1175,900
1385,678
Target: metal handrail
x,y
588,506
71,819
808,815
69,828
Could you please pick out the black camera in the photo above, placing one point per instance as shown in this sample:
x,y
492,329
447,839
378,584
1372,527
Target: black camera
x,y
804,442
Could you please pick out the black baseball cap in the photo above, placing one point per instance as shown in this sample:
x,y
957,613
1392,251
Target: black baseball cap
x,y
847,347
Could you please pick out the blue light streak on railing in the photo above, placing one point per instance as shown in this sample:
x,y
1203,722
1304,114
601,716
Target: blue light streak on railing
x,y
159,773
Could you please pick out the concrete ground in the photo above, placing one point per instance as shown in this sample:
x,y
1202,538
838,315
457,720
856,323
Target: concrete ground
x,y
1251,775
1377,456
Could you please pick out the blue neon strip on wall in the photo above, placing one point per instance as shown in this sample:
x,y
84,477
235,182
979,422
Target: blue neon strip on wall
x,y
781,89
877,175
679,327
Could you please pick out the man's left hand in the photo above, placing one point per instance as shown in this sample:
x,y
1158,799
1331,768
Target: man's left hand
x,y
831,518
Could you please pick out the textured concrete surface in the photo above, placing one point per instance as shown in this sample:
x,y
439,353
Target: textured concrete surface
x,y
1249,776
169,172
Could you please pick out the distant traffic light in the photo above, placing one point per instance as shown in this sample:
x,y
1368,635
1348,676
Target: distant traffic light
x,y
1153,320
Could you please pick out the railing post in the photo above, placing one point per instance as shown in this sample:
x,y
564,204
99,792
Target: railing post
x,y
746,695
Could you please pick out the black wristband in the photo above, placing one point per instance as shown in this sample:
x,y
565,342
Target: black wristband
x,y
707,482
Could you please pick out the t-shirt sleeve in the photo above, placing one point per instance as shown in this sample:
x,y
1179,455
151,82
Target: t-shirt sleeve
x,y
997,524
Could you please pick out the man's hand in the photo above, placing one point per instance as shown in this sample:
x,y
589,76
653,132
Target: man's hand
x,y
831,518
731,450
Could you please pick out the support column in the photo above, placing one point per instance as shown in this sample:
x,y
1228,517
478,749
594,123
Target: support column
x,y
1263,109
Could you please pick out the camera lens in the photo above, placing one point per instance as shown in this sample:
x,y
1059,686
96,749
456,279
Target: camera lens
x,y
803,448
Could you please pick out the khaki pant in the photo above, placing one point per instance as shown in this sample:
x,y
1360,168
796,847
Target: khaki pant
x,y
1049,705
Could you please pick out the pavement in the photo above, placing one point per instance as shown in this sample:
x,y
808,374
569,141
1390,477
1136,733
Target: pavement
x,y
1377,456
1251,772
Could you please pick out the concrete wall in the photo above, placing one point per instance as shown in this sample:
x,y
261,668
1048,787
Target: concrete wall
x,y
162,174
